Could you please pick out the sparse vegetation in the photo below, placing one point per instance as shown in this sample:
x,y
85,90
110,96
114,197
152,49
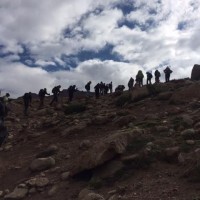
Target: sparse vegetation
x,y
123,99
75,108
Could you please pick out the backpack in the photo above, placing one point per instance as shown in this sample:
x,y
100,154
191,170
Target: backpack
x,y
54,90
40,92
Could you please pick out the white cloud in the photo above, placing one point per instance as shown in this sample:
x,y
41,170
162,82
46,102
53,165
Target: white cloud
x,y
93,24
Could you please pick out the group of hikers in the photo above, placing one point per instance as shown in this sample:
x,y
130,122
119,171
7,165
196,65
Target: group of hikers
x,y
100,89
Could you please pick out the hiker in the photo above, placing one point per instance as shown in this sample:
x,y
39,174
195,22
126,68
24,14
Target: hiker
x,y
2,112
110,87
120,88
97,90
139,78
106,88
149,77
27,102
71,91
167,72
5,101
157,76
3,134
130,84
87,87
56,91
41,95
101,87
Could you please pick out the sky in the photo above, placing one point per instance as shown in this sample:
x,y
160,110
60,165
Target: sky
x,y
66,42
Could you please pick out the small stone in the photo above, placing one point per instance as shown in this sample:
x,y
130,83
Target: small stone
x,y
1,193
188,132
32,191
85,144
8,147
65,176
41,182
52,191
190,142
18,193
22,185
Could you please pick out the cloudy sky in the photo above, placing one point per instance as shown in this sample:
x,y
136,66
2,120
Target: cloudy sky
x,y
50,42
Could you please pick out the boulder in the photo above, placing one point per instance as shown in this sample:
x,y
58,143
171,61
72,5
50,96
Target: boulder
x,y
105,150
195,76
41,164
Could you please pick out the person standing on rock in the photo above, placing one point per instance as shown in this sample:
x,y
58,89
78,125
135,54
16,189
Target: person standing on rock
x,y
149,77
157,76
56,91
110,86
87,87
167,72
130,84
5,102
139,78
97,90
41,95
27,102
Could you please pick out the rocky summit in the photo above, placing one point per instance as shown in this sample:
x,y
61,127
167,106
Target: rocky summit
x,y
142,145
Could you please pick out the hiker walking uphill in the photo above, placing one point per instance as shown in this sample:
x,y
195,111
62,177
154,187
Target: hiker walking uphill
x,y
130,84
157,76
71,91
167,72
87,87
56,92
110,87
97,90
139,78
149,77
27,102
42,94
5,101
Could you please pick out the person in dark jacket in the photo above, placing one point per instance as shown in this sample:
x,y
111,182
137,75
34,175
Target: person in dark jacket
x,y
97,90
3,134
42,94
110,86
130,84
149,77
167,72
157,76
56,91
71,91
139,78
87,87
27,102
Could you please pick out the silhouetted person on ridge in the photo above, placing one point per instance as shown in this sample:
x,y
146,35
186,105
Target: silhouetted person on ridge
x,y
27,102
139,78
71,91
167,72
5,102
149,77
97,90
110,86
41,95
130,84
3,134
56,91
157,76
87,87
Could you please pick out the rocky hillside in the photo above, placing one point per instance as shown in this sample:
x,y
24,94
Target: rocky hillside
x,y
141,145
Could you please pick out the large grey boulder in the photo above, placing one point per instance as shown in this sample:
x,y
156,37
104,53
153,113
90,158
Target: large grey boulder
x,y
18,193
195,76
41,164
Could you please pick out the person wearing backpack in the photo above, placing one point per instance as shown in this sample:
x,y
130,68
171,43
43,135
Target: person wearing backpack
x,y
149,77
157,76
27,102
41,95
87,87
56,91
167,72
139,78
130,84
71,91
